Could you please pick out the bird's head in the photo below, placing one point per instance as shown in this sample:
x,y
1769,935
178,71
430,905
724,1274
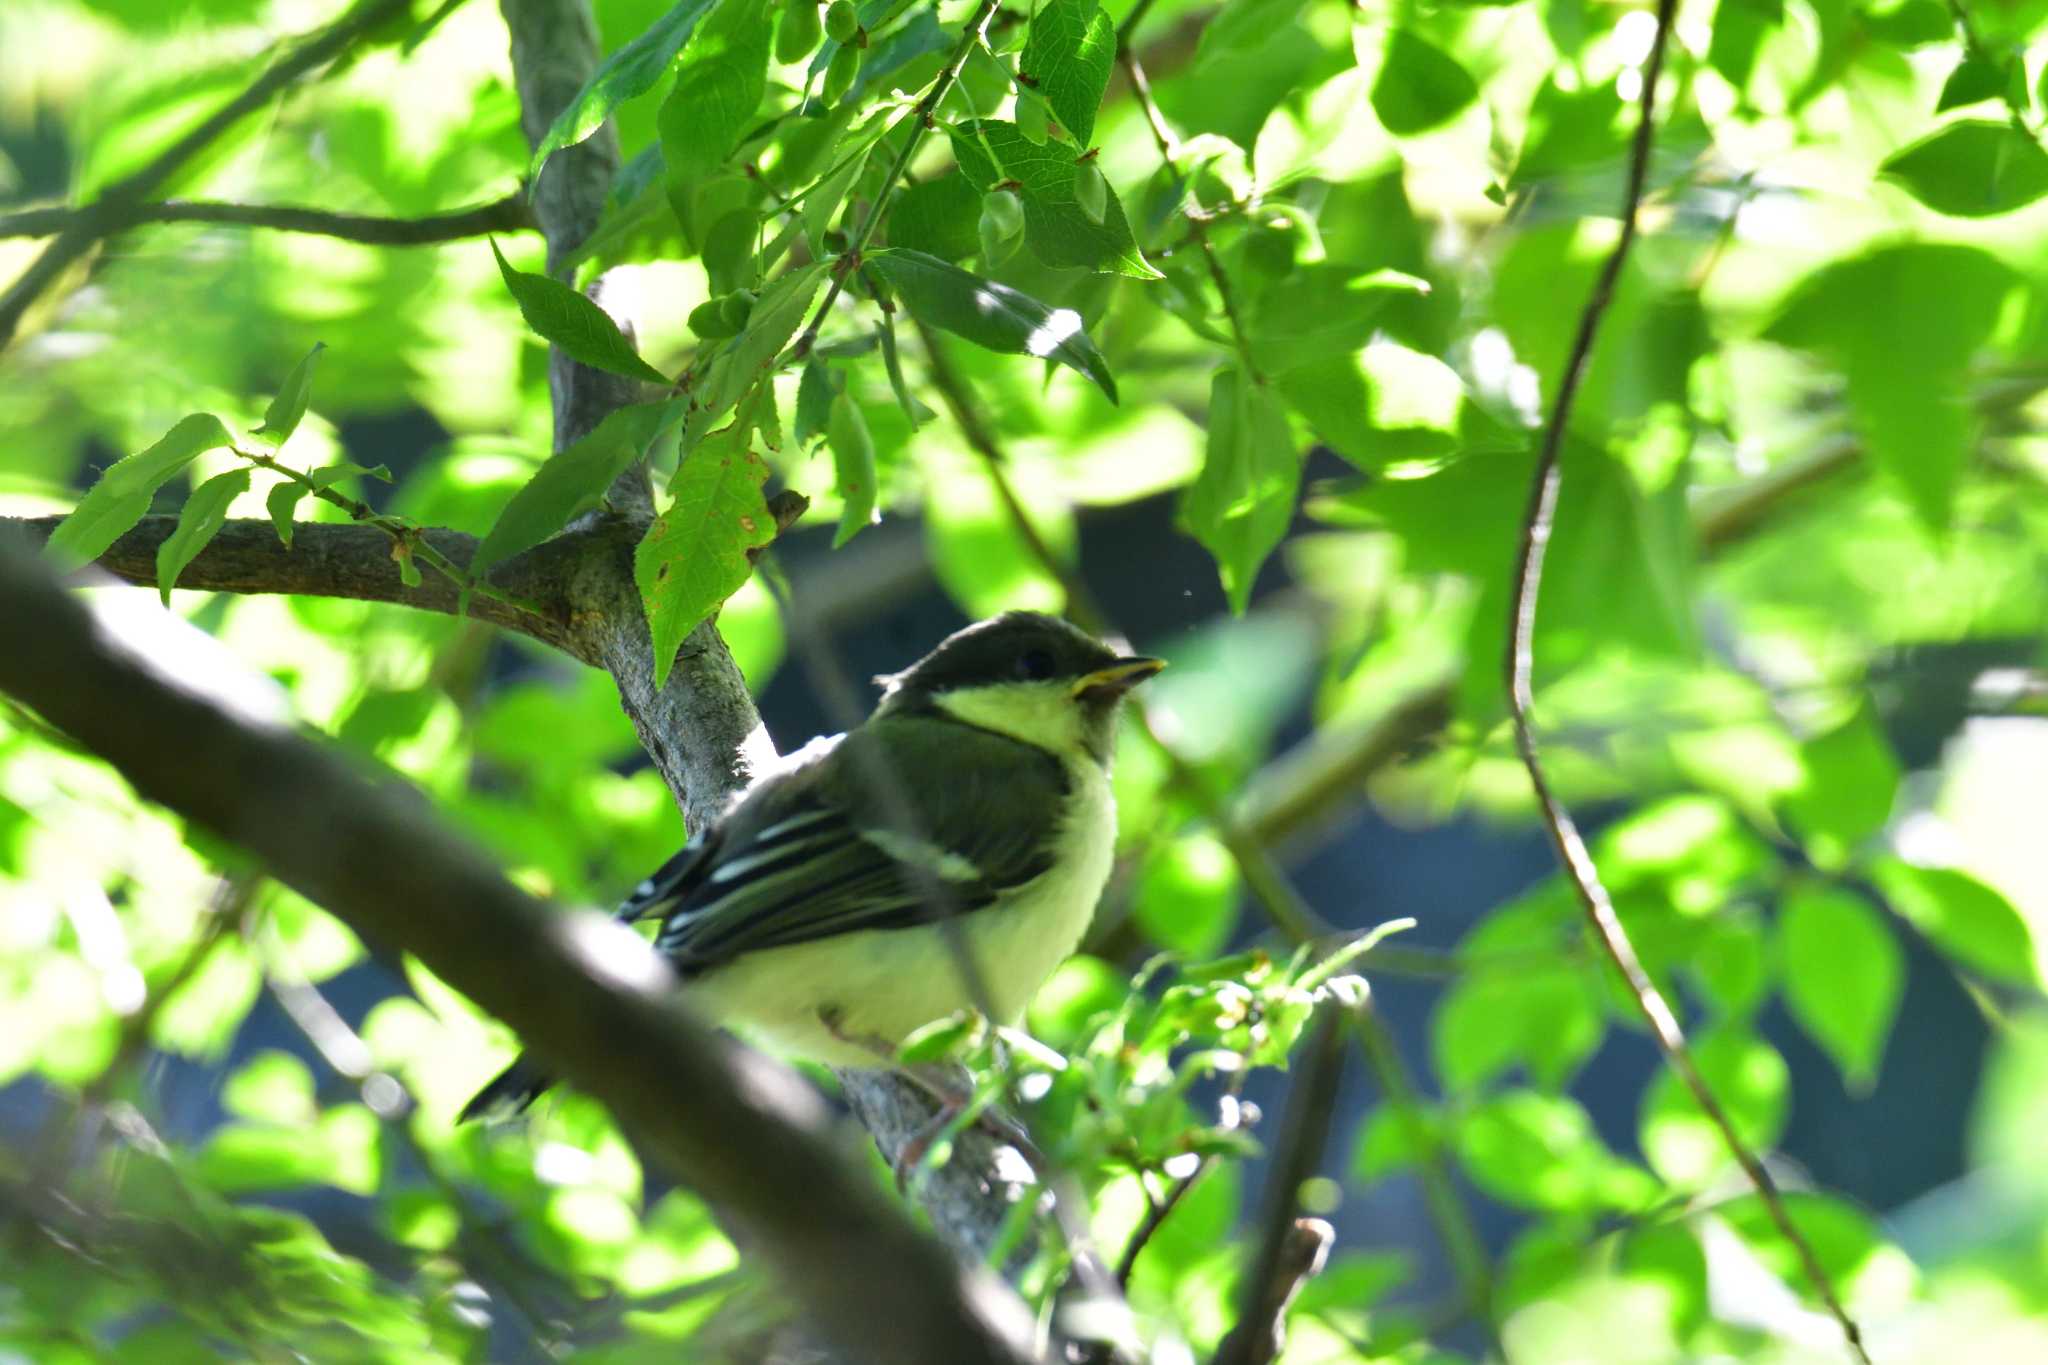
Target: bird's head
x,y
1026,675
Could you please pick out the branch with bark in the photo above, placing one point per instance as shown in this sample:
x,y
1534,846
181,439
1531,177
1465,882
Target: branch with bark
x,y
510,214
590,997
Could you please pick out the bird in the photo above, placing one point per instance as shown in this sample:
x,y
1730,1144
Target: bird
x,y
816,915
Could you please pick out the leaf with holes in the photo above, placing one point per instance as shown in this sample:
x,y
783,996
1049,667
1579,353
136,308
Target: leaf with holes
x,y
632,70
574,480
574,323
112,506
992,153
199,521
694,556
1067,57
990,314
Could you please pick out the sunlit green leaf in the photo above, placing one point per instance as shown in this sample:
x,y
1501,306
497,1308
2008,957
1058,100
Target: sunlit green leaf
x,y
1844,975
720,78
992,153
199,521
1241,504
1746,1076
1067,59
282,417
574,480
121,497
990,314
632,70
573,322
1966,919
1420,85
1972,168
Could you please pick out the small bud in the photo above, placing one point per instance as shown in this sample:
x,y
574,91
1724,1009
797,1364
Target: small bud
x,y
842,22
839,75
707,320
1091,191
735,308
800,31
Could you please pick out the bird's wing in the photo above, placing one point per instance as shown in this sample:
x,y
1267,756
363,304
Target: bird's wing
x,y
863,838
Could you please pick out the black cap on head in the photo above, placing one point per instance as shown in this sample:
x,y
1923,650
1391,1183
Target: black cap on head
x,y
1016,647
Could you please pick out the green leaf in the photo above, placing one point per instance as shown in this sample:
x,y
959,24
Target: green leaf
x,y
990,314
1394,1138
1186,899
1844,1239
1749,1080
576,324
1241,503
1973,168
1420,86
1966,919
1386,403
751,355
632,70
1542,1152
199,521
822,201
1252,58
813,403
271,1086
282,417
694,556
1059,233
719,83
281,503
1549,1018
1974,78
121,497
937,217
1067,58
1852,779
853,467
1906,322
1323,311
1844,974
574,480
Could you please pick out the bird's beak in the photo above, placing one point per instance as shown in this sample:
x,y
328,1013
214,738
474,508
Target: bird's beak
x,y
1107,684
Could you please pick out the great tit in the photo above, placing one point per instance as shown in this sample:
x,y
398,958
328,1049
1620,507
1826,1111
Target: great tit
x,y
808,915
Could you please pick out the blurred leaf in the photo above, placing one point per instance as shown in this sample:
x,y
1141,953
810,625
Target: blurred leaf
x,y
1059,233
282,417
1242,502
632,70
1844,976
1546,1016
1969,921
573,322
199,521
1187,895
853,468
694,556
274,1087
1244,70
936,217
752,355
121,497
1746,1076
990,314
1974,79
1972,168
1541,1152
575,480
1395,1139
1668,1255
1852,780
1419,86
1067,57
720,79
1905,321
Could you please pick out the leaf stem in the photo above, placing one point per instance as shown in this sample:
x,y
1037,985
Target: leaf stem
x,y
1198,221
1518,672
920,120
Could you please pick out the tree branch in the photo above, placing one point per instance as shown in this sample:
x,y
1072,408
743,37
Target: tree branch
x,y
593,1000
1518,670
510,214
102,216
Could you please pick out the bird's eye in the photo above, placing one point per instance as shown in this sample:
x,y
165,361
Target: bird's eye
x,y
1035,665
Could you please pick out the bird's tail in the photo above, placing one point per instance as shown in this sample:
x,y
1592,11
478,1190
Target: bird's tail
x,y
517,1086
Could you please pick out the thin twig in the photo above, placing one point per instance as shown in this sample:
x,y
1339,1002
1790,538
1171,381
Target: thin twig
x,y
1274,1277
510,214
920,120
104,214
1141,90
1519,667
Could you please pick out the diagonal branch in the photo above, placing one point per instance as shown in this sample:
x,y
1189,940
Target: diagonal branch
x,y
510,214
103,215
590,997
1519,670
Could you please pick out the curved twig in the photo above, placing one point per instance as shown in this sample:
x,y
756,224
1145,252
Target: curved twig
x,y
1518,667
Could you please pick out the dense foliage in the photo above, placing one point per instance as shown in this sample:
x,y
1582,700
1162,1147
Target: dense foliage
x,y
1310,270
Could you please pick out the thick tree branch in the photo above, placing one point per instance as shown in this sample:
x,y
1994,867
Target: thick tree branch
x,y
103,215
1518,677
592,1000
510,214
